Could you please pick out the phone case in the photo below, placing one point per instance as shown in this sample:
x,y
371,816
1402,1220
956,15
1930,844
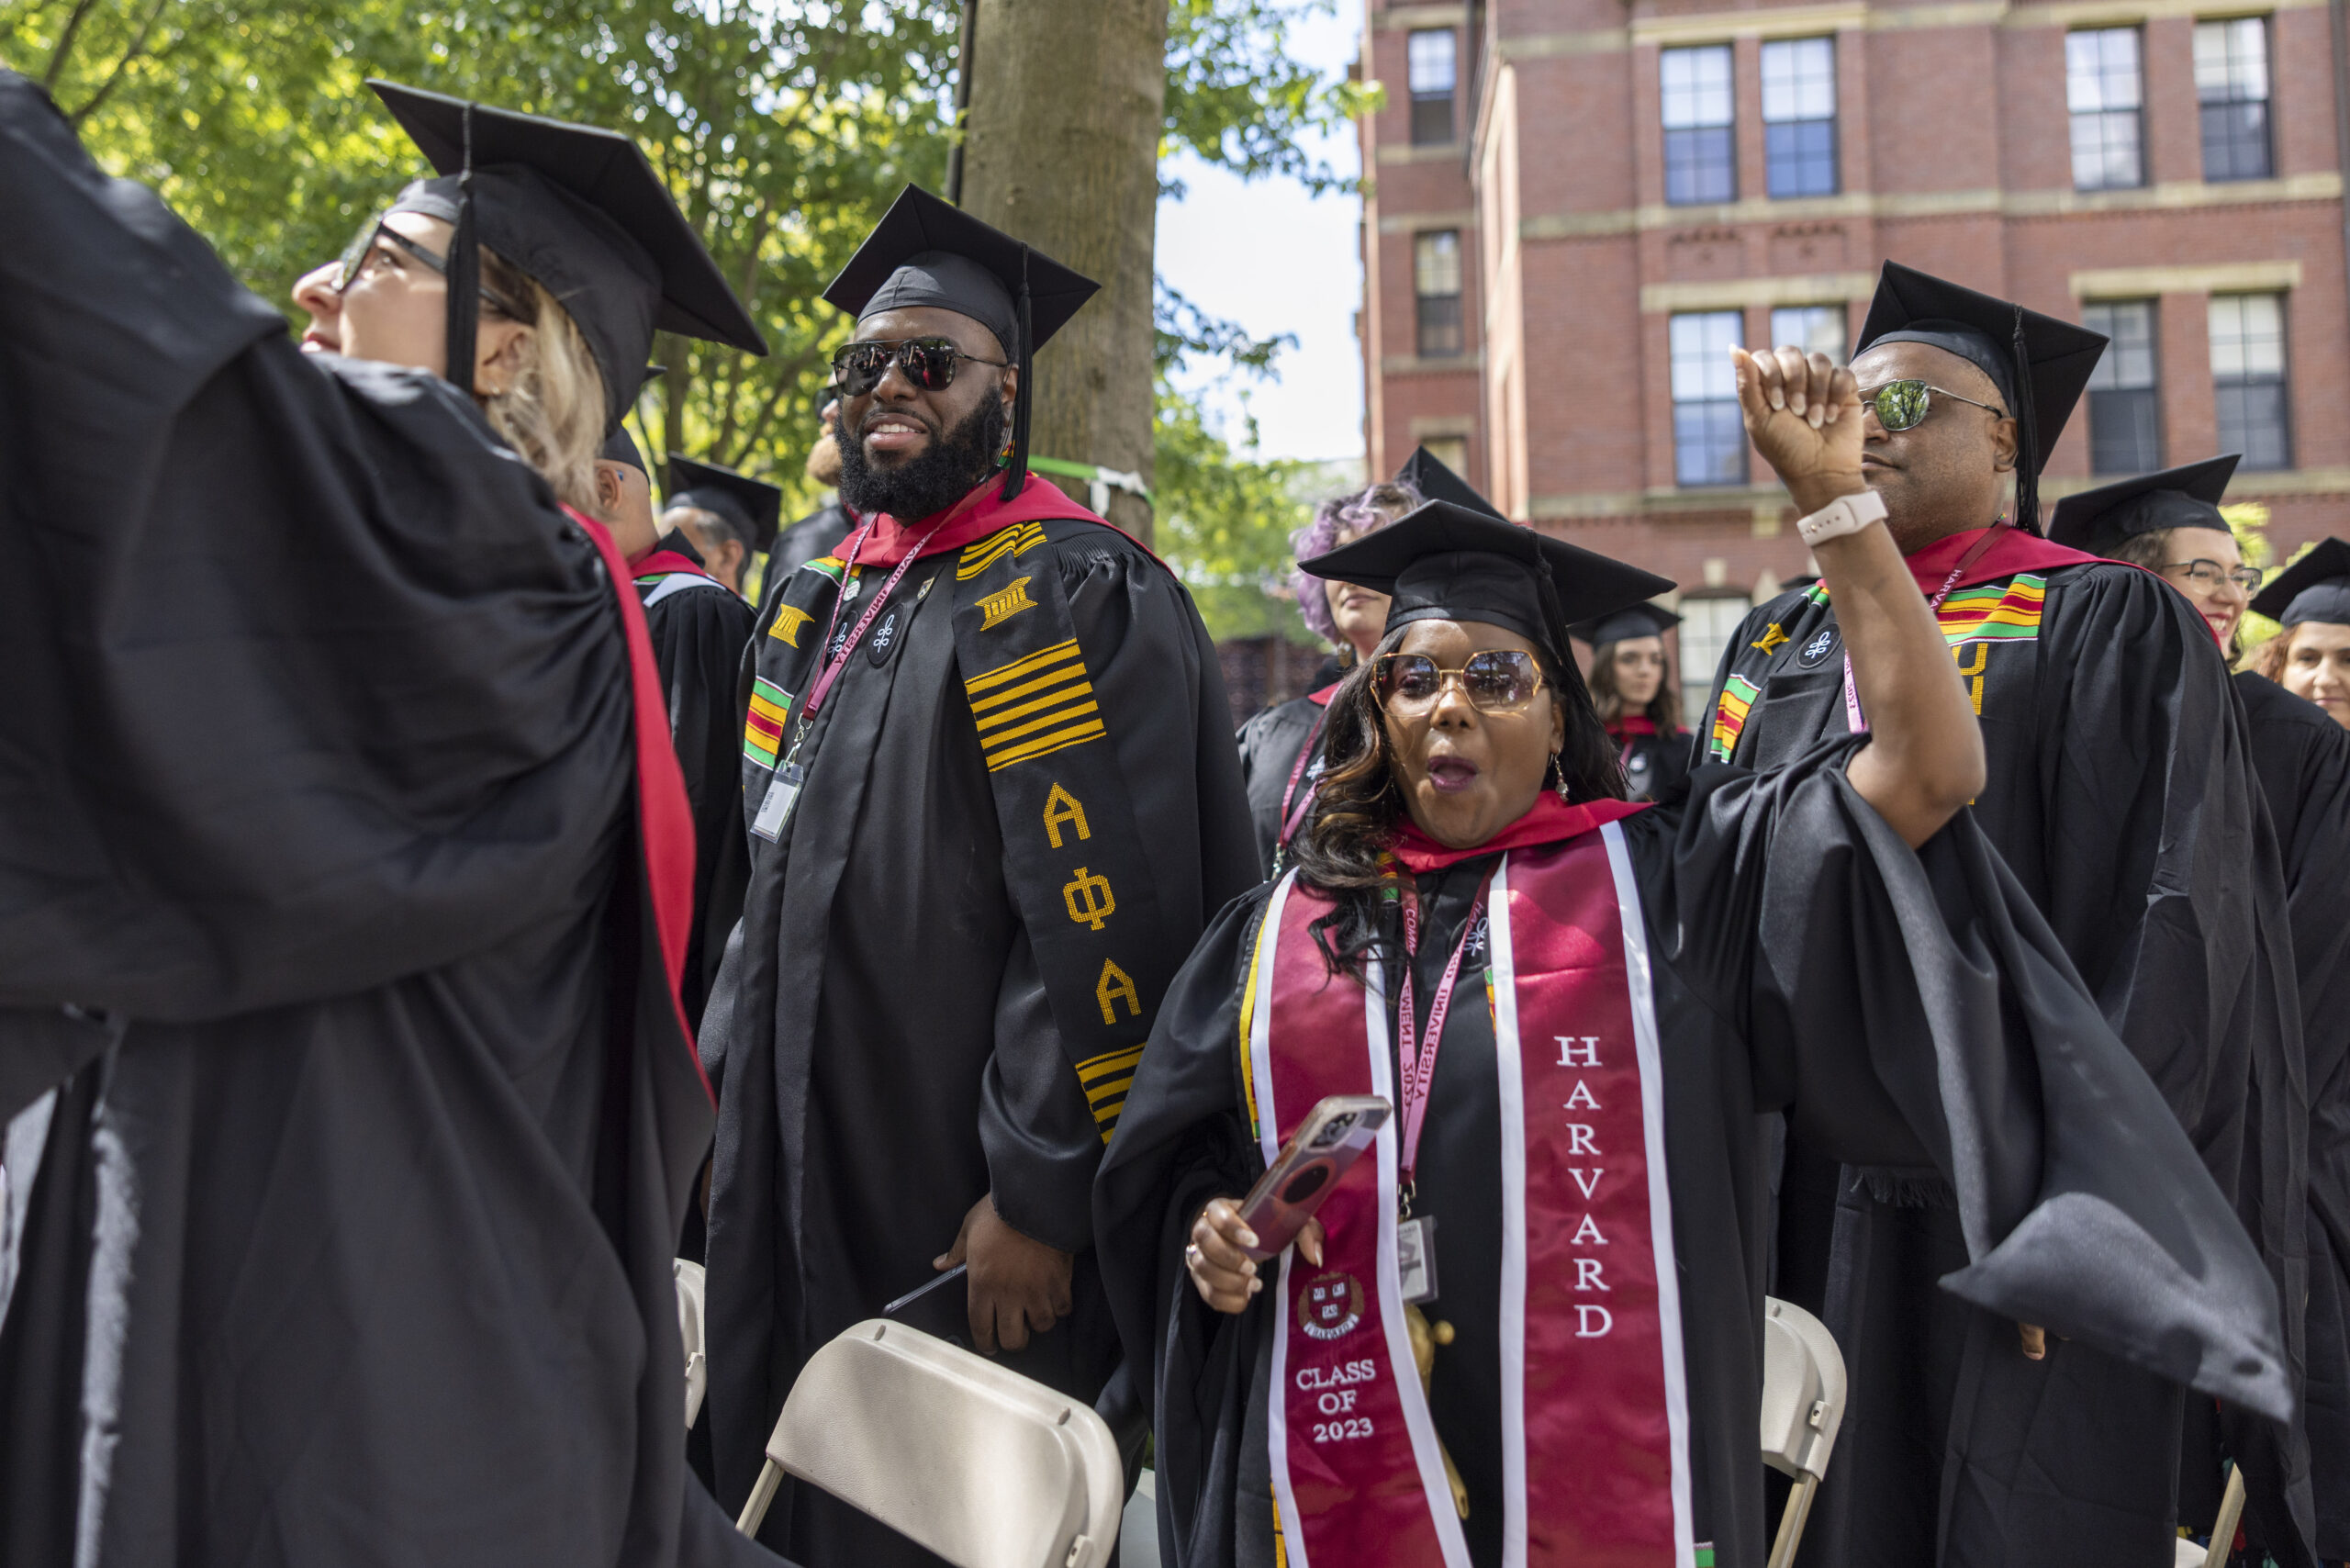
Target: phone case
x,y
1339,1131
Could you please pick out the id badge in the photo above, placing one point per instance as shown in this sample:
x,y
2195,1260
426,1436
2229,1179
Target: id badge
x,y
1416,1259
775,810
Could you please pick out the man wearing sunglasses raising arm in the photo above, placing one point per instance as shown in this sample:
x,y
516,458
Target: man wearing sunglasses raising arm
x,y
2121,793
992,795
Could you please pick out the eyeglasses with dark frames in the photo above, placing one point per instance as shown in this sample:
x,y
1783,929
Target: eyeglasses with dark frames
x,y
354,262
929,362
1495,681
1904,404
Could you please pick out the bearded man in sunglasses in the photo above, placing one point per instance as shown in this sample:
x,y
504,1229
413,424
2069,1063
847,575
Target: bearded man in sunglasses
x,y
2121,794
993,797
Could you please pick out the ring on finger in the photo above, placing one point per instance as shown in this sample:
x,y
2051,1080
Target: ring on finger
x,y
1194,1257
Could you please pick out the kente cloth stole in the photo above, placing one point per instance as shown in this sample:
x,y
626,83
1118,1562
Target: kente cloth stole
x,y
1595,1402
1072,853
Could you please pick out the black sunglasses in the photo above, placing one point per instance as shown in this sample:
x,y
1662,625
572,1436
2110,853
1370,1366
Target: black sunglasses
x,y
928,363
1904,404
1493,681
354,262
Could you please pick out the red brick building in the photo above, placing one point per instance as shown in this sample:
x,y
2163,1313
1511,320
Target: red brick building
x,y
1572,205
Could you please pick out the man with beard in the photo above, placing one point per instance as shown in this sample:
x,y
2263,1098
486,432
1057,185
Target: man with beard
x,y
2121,795
991,784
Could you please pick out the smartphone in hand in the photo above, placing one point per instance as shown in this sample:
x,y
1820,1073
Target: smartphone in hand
x,y
1339,1130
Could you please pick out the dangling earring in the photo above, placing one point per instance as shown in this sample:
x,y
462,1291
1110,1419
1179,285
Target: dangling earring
x,y
1559,771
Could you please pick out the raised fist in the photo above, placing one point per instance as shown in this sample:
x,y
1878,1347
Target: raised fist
x,y
1803,414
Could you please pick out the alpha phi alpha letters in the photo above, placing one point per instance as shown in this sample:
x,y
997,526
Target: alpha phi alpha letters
x,y
1072,854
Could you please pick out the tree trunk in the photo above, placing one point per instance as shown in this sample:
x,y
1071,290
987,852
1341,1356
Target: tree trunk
x,y
1067,99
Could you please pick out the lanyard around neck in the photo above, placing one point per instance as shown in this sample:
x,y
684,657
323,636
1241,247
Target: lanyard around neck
x,y
1418,1066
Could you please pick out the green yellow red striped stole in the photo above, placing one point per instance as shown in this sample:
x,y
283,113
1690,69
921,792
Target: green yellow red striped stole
x,y
1729,716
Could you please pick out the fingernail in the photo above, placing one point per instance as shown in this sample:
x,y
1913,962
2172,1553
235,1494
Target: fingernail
x,y
1778,398
1249,1267
1256,1285
1815,414
1248,1237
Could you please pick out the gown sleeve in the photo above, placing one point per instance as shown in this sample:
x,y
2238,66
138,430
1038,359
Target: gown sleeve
x,y
1155,676
311,684
1184,1138
1907,1004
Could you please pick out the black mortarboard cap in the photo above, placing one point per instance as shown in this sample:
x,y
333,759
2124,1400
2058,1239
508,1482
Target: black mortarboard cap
x,y
1435,482
2188,497
2315,588
1638,621
620,447
753,507
582,212
2040,365
1445,560
926,251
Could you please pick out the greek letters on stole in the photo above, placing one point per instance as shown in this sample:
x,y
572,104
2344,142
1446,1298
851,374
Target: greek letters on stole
x,y
1595,1405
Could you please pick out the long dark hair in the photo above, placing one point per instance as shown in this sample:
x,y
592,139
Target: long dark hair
x,y
1664,710
1359,806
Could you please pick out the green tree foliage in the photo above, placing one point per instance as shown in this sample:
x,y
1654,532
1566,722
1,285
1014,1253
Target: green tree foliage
x,y
783,127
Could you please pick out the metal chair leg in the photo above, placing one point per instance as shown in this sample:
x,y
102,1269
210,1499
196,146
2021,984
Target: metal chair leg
x,y
1791,1523
754,1512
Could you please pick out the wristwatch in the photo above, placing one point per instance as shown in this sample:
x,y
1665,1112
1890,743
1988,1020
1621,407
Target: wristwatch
x,y
1845,514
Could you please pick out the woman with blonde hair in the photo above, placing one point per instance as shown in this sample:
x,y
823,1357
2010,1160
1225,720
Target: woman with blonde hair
x,y
344,874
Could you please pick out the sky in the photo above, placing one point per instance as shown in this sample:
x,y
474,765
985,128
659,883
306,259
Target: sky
x,y
1275,258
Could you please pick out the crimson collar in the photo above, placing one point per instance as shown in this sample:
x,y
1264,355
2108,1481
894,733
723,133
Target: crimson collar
x,y
2014,551
1548,820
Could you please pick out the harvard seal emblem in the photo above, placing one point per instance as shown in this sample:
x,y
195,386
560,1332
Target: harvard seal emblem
x,y
1330,1305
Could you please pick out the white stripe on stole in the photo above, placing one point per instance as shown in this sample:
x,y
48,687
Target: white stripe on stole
x,y
1260,1068
1668,1276
1513,1116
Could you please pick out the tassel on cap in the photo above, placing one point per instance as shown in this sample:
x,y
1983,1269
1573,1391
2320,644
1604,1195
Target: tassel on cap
x,y
2027,436
465,275
1015,478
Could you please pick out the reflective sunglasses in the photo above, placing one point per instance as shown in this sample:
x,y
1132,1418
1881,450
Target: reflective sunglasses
x,y
1495,681
928,363
353,260
1904,404
2210,577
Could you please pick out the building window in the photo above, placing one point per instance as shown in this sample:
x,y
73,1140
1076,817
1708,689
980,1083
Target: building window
x,y
1814,329
1707,626
1453,451
2101,88
2248,378
2232,84
2125,412
1708,437
1799,117
1700,159
1436,281
1430,68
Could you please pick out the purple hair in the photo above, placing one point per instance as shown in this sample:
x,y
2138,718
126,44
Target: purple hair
x,y
1362,511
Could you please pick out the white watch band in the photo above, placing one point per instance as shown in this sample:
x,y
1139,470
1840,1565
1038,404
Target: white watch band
x,y
1845,514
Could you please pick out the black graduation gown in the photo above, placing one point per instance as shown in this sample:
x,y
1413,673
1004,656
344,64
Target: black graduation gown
x,y
884,1047
2120,792
1653,763
699,631
804,540
1803,958
1270,744
321,907
2303,760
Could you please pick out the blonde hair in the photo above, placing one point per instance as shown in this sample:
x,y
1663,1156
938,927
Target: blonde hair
x,y
554,412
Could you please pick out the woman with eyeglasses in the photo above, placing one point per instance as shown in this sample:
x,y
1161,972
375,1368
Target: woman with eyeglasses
x,y
344,872
1281,747
1527,1325
1640,706
2171,524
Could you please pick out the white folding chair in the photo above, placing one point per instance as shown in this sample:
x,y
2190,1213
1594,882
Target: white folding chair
x,y
984,1467
689,1329
1802,1405
2224,1533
